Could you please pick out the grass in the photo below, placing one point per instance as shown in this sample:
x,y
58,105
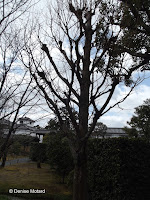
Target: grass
x,y
27,176
2,197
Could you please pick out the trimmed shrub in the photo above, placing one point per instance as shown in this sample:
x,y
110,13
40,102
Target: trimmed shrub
x,y
119,169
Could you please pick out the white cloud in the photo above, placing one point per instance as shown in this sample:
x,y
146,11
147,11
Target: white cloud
x,y
114,121
118,117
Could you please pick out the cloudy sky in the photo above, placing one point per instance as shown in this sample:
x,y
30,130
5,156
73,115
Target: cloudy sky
x,y
117,117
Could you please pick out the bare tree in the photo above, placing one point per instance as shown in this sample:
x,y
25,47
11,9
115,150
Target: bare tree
x,y
79,67
15,83
10,11
20,102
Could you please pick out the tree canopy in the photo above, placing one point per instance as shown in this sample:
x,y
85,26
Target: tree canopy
x,y
141,120
53,125
135,28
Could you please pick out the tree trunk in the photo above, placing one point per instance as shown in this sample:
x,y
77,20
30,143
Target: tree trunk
x,y
38,164
4,156
80,189
63,178
3,161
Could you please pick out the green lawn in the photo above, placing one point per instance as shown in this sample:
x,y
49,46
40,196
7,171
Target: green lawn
x,y
27,176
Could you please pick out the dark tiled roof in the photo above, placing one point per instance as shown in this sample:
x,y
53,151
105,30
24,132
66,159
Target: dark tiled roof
x,y
42,131
115,131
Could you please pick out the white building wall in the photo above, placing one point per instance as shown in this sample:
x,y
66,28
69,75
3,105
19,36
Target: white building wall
x,y
22,132
40,138
28,123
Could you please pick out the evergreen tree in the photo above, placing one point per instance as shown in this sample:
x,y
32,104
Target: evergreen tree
x,y
141,120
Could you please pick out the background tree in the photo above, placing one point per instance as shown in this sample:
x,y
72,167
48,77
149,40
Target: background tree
x,y
85,73
53,125
141,120
24,98
16,89
38,153
100,130
25,141
132,132
10,13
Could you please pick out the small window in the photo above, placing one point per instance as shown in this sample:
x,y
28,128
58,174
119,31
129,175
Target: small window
x,y
21,122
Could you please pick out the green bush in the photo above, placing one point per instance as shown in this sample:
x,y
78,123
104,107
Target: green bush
x,y
59,155
38,152
119,169
25,140
15,148
19,144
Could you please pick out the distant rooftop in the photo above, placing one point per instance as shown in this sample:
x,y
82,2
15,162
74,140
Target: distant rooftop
x,y
26,119
111,132
115,130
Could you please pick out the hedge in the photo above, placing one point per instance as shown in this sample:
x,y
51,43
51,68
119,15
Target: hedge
x,y
119,169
